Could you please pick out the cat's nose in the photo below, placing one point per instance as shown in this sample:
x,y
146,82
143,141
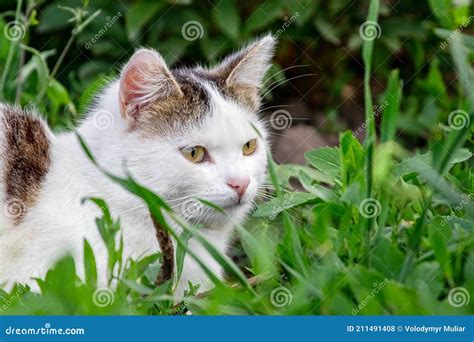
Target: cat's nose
x,y
239,184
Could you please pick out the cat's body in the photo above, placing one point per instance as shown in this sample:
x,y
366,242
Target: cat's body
x,y
152,122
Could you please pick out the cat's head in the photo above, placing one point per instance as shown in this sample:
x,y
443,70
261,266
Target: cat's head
x,y
200,129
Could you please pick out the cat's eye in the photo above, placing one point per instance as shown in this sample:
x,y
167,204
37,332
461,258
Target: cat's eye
x,y
196,154
249,147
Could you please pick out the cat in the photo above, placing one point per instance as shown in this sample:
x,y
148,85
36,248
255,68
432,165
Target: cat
x,y
183,133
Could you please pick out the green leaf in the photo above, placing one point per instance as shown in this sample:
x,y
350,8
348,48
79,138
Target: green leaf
x,y
462,62
264,14
226,16
452,195
181,253
52,19
90,265
467,40
442,11
292,248
287,171
278,204
327,195
327,30
138,15
392,98
57,93
440,234
423,162
352,159
325,159
388,259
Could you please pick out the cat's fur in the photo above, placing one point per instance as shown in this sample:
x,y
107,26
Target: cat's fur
x,y
138,124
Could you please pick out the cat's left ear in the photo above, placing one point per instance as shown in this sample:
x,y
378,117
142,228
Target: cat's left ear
x,y
145,79
242,73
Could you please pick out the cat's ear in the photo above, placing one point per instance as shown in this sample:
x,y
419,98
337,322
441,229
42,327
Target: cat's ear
x,y
144,80
243,71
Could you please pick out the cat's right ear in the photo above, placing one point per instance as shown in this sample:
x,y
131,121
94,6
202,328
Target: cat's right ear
x,y
144,80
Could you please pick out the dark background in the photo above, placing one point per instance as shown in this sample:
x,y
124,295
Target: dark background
x,y
319,49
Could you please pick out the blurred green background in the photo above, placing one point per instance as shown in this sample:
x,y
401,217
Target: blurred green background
x,y
319,46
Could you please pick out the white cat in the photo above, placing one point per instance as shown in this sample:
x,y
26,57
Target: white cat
x,y
181,133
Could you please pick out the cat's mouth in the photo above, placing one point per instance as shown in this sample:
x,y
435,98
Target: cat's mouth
x,y
232,206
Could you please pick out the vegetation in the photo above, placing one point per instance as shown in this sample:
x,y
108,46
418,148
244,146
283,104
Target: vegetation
x,y
379,227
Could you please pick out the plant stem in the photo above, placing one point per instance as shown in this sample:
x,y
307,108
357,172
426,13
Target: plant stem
x,y
11,52
167,253
370,137
55,68
19,84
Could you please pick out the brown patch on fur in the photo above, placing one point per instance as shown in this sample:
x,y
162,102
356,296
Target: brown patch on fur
x,y
27,158
176,111
193,103
244,95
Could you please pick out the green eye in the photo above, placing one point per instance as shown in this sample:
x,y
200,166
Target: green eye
x,y
195,154
249,147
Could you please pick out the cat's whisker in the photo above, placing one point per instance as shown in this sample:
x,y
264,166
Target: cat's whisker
x,y
132,209
278,134
283,70
276,106
283,82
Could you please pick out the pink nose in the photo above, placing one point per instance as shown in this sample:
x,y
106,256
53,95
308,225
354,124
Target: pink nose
x,y
239,184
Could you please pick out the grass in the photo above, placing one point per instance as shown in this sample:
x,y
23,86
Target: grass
x,y
372,228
